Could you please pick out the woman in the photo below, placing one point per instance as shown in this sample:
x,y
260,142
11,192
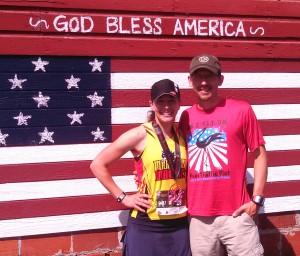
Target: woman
x,y
157,224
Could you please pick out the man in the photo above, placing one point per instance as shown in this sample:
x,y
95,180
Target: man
x,y
219,133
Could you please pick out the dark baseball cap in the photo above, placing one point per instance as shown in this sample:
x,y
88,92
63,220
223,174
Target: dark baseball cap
x,y
164,86
206,61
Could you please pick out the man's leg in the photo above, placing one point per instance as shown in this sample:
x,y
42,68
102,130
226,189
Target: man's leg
x,y
240,236
204,237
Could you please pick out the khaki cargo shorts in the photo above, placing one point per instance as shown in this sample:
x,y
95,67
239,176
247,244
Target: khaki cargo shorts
x,y
214,235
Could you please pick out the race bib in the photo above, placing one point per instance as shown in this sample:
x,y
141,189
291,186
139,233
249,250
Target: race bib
x,y
172,201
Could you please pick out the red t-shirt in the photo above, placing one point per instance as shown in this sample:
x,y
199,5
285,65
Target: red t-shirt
x,y
218,140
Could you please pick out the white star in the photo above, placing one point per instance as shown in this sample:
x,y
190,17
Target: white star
x,y
22,119
17,82
39,64
72,82
2,138
41,100
96,100
46,135
96,65
98,135
76,117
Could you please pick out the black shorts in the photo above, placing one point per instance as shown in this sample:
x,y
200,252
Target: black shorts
x,y
144,237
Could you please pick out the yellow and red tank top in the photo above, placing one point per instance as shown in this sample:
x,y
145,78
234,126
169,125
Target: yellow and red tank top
x,y
156,179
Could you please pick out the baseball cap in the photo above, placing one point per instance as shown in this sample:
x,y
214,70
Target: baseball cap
x,y
206,61
164,86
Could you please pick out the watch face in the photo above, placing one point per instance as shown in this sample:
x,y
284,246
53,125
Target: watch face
x,y
258,200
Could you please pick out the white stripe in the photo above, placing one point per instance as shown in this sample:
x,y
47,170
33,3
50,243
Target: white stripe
x,y
123,81
278,173
90,221
282,142
277,111
64,223
61,188
52,153
78,152
281,204
273,111
91,186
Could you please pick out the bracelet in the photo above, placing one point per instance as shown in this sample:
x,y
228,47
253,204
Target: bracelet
x,y
121,197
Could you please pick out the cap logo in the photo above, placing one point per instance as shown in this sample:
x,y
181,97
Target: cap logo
x,y
203,59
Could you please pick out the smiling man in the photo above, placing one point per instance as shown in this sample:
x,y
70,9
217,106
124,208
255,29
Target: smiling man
x,y
219,133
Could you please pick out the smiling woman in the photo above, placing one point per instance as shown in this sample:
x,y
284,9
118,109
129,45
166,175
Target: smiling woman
x,y
158,211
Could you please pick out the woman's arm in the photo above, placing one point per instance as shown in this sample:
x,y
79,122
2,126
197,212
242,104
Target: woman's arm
x,y
133,140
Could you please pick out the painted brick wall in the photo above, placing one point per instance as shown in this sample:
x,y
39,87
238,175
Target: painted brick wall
x,y
280,236
97,243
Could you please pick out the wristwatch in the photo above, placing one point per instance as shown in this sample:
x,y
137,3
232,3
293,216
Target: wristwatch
x,y
121,197
259,200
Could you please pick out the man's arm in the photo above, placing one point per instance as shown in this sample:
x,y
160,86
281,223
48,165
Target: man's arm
x,y
260,170
260,179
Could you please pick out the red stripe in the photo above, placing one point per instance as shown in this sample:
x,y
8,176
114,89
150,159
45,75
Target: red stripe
x,y
134,5
280,158
44,172
58,206
279,189
144,47
58,171
257,7
280,127
182,65
101,203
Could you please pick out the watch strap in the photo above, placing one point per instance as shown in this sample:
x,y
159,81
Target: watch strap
x,y
121,197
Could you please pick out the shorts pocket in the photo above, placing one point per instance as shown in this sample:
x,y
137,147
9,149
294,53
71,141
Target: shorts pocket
x,y
248,219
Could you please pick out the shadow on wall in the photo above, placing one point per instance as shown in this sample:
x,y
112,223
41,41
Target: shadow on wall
x,y
123,217
278,233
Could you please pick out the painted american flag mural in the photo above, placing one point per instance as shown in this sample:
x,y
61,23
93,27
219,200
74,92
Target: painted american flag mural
x,y
59,112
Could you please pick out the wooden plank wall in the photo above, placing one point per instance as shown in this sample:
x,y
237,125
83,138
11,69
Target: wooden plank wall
x,y
258,46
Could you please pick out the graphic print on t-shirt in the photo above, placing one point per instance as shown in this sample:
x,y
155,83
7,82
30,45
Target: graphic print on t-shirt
x,y
208,154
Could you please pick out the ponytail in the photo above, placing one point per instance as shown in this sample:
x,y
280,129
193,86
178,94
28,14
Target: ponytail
x,y
150,115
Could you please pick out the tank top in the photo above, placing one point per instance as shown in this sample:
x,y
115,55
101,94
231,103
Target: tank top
x,y
168,195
